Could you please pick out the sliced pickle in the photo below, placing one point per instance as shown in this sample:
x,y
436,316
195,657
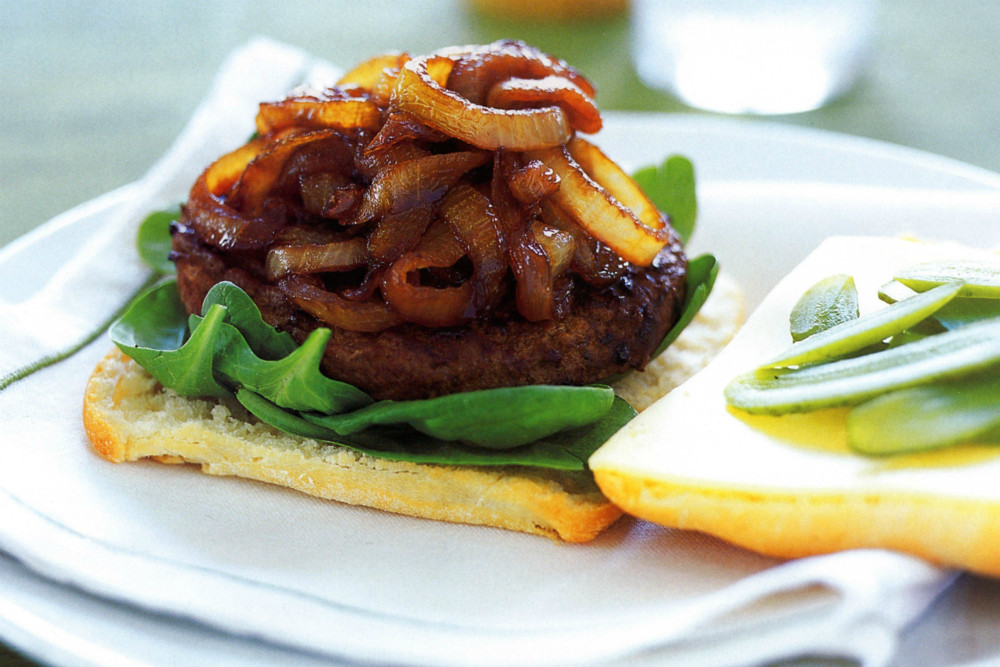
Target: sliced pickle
x,y
831,301
866,330
851,381
981,277
924,418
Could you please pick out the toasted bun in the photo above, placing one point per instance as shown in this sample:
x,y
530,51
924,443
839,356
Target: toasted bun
x,y
129,416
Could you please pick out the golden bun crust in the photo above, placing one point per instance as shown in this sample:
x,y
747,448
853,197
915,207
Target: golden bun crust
x,y
129,416
951,532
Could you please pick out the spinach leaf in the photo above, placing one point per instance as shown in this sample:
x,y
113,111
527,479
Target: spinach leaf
x,y
266,341
294,382
671,187
290,393
566,450
153,240
153,330
499,418
701,274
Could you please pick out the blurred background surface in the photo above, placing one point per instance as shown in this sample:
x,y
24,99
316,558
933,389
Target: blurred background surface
x,y
92,93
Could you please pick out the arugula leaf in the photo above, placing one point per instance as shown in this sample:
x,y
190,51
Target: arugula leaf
x,y
153,240
671,187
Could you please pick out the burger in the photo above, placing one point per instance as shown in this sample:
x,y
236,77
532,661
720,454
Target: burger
x,y
409,291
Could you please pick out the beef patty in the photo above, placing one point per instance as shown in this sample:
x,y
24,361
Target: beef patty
x,y
606,331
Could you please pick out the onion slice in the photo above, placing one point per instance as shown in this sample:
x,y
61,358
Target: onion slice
x,y
515,93
223,174
368,74
479,68
415,183
532,182
484,127
427,305
593,261
315,258
606,173
471,217
220,225
264,172
342,113
334,310
594,209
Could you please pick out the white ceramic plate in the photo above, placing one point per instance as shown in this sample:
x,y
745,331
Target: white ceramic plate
x,y
160,564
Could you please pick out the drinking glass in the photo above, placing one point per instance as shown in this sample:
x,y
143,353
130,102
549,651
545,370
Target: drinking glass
x,y
752,56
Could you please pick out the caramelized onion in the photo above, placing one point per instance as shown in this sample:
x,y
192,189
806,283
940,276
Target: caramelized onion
x,y
334,310
478,69
313,258
532,182
549,91
264,171
220,225
539,255
613,178
386,185
428,305
329,195
593,261
397,233
367,74
415,183
471,217
402,127
594,209
484,127
342,112
223,174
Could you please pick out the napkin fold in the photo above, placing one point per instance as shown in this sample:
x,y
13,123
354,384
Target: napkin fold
x,y
46,319
155,538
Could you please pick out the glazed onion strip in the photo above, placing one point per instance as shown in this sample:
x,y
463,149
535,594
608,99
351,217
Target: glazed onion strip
x,y
263,173
397,233
222,226
471,217
594,209
414,183
333,309
478,69
549,91
484,127
368,74
223,174
314,258
428,305
344,113
539,255
615,180
532,182
594,261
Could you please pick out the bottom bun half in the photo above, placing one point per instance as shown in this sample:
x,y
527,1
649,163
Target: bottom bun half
x,y
129,416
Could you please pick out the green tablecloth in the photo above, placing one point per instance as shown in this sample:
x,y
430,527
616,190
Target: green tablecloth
x,y
92,93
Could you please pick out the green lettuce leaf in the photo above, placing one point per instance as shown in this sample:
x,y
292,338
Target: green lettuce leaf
x,y
536,426
671,187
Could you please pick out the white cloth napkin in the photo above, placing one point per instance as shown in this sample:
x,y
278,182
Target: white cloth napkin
x,y
263,562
